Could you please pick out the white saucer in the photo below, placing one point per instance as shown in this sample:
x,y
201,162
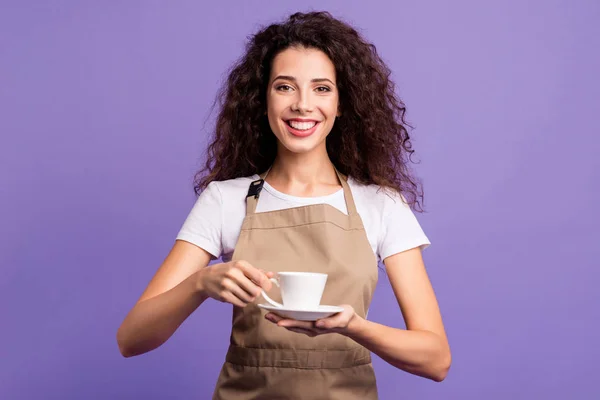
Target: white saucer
x,y
303,315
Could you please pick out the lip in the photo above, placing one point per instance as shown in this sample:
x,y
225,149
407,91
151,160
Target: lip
x,y
302,120
305,133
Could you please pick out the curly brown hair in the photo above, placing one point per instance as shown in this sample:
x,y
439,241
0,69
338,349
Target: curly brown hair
x,y
368,142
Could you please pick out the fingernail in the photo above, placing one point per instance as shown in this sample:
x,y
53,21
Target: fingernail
x,y
320,324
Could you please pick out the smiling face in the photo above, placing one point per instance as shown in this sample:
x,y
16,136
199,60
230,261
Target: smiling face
x,y
302,99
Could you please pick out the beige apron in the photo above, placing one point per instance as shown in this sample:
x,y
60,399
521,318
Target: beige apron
x,y
265,361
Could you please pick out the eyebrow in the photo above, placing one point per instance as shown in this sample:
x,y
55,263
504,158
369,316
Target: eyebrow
x,y
291,78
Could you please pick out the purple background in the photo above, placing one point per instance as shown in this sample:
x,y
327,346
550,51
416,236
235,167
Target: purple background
x,y
102,126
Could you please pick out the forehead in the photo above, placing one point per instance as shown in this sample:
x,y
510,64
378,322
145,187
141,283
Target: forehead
x,y
303,64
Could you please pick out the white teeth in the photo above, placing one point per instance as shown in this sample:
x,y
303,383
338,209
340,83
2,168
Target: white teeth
x,y
301,126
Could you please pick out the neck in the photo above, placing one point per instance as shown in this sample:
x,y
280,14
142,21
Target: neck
x,y
309,169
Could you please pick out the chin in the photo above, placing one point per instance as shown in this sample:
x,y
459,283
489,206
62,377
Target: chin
x,y
301,147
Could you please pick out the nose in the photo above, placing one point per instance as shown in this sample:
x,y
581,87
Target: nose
x,y
303,102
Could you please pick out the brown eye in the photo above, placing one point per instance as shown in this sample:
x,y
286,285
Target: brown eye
x,y
284,88
323,89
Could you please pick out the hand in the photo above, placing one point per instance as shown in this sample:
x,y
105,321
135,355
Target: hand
x,y
337,323
235,282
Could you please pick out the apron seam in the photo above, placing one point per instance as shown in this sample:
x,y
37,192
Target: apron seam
x,y
302,368
306,224
307,349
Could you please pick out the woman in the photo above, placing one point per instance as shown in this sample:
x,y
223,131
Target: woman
x,y
310,108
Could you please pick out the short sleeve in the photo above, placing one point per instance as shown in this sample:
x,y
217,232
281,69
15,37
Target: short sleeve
x,y
203,226
400,230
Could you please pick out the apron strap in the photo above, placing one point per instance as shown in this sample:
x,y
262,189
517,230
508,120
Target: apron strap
x,y
252,196
350,205
254,193
257,185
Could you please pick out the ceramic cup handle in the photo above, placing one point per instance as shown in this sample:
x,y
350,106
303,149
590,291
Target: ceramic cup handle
x,y
267,298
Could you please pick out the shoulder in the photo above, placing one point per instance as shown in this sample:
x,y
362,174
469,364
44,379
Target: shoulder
x,y
230,196
231,188
388,218
381,204
222,195
373,196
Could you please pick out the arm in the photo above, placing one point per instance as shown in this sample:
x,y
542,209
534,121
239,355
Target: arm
x,y
421,349
171,296
179,286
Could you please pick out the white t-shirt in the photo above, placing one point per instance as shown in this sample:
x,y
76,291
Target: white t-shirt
x,y
215,220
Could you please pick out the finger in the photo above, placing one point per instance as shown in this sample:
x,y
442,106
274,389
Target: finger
x,y
275,316
329,323
269,274
233,288
254,274
306,332
289,323
270,319
246,284
325,323
230,298
336,320
292,323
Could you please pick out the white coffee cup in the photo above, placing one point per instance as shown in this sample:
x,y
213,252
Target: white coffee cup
x,y
299,290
